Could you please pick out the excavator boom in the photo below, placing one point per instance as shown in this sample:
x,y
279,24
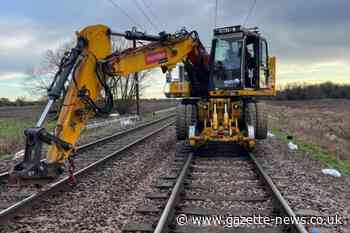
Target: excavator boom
x,y
85,72
219,92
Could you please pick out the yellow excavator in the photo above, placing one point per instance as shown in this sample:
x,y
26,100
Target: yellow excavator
x,y
218,90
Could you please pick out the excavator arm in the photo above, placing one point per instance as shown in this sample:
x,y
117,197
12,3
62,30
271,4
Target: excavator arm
x,y
85,72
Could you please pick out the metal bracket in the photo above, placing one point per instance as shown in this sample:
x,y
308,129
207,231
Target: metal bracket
x,y
32,166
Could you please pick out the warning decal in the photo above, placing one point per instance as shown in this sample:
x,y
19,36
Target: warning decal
x,y
159,56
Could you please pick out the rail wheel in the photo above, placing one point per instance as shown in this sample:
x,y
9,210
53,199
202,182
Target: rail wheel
x,y
250,117
186,115
256,116
261,121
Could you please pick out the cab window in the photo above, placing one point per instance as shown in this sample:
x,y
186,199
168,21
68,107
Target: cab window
x,y
227,63
263,69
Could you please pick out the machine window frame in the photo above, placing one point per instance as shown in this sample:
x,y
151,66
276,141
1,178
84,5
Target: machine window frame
x,y
239,37
263,64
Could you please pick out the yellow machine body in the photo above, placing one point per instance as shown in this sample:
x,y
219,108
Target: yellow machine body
x,y
156,54
221,119
178,89
73,115
219,112
222,116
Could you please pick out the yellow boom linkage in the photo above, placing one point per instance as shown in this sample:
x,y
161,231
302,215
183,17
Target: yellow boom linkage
x,y
93,55
73,115
220,90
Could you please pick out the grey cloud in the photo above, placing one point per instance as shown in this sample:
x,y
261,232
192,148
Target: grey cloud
x,y
298,31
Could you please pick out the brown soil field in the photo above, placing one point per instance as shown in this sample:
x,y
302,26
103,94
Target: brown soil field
x,y
33,111
147,106
324,123
13,121
26,112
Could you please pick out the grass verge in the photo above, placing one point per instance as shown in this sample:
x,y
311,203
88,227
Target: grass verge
x,y
316,152
12,137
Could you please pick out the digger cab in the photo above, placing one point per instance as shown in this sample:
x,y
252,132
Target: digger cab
x,y
240,69
239,61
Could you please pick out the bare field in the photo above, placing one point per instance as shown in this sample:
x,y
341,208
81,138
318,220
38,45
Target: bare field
x,y
13,121
323,123
25,112
32,112
147,106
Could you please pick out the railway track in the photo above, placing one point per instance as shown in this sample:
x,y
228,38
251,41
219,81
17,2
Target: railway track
x,y
198,188
205,192
89,157
94,129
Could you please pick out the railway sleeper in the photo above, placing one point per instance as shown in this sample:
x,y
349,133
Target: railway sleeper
x,y
187,199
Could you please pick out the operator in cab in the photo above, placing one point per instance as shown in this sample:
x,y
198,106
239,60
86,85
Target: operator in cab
x,y
227,64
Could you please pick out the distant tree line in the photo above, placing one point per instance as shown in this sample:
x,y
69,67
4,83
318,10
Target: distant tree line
x,y
295,91
302,91
5,102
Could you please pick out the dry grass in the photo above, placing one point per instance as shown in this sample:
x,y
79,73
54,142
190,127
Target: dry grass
x,y
14,120
322,122
11,134
318,124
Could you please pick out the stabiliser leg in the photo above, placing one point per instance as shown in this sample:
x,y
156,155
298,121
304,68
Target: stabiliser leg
x,y
33,169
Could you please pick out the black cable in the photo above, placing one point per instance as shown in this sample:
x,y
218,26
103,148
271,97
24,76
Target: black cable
x,y
140,42
249,12
146,16
84,93
126,14
73,75
151,12
216,13
63,64
108,100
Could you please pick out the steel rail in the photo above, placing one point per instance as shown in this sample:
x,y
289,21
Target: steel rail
x,y
165,217
64,183
5,175
108,138
287,209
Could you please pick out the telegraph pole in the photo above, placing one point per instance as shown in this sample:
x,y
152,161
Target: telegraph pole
x,y
136,78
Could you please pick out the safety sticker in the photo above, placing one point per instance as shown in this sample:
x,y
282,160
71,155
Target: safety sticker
x,y
159,57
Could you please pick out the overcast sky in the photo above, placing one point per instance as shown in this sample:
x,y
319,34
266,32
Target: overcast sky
x,y
309,38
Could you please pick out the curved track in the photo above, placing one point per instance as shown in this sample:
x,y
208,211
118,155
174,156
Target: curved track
x,y
89,157
204,192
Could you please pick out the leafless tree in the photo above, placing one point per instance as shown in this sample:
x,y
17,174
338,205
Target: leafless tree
x,y
123,88
41,75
